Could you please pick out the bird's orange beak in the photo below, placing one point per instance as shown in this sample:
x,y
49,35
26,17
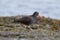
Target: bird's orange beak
x,y
39,16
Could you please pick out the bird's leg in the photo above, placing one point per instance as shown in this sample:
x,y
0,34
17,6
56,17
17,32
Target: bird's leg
x,y
30,28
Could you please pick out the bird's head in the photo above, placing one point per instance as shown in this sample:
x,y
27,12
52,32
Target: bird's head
x,y
36,14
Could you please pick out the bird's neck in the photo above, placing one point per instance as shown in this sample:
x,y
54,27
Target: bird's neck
x,y
34,16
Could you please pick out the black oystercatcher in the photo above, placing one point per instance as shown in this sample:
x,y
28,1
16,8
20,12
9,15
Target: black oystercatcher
x,y
29,19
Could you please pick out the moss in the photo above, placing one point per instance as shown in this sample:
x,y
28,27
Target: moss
x,y
1,24
8,22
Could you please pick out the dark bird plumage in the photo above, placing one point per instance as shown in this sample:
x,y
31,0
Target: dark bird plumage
x,y
29,19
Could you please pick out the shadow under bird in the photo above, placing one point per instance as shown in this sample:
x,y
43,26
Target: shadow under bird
x,y
27,20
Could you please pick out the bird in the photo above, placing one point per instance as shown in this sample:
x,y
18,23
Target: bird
x,y
31,19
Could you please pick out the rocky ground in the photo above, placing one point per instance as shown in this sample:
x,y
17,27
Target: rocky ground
x,y
47,29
